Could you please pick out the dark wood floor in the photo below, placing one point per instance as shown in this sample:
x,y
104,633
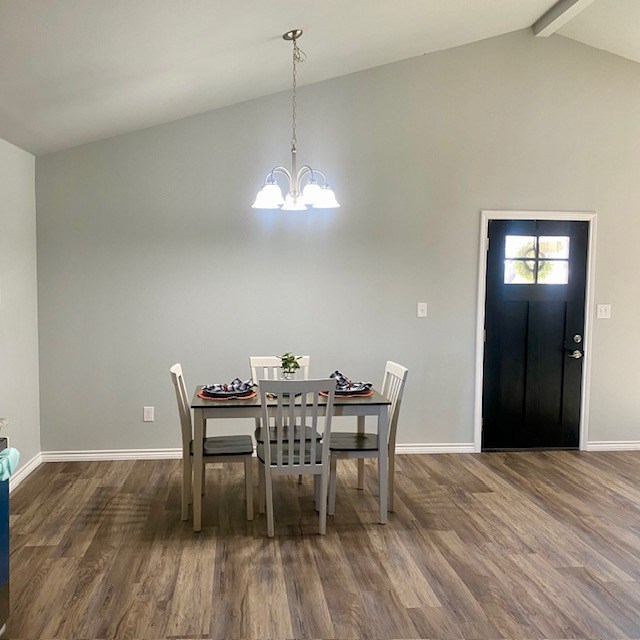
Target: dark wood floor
x,y
501,545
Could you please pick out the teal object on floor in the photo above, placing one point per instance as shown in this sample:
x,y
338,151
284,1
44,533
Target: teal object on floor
x,y
9,459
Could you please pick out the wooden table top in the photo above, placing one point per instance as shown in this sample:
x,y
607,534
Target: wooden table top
x,y
200,403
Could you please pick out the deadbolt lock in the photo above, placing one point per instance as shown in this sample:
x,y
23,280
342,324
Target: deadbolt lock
x,y
577,338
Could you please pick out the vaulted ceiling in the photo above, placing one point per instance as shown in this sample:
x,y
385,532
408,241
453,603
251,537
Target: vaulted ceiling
x,y
611,25
74,71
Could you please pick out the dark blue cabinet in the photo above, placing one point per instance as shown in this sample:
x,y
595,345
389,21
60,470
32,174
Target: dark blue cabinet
x,y
4,546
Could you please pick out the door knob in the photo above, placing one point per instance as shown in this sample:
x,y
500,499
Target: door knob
x,y
577,354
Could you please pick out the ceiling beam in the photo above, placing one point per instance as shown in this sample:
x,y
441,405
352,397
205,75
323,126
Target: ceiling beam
x,y
558,16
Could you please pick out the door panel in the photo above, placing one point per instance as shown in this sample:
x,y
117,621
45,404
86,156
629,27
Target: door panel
x,y
536,277
545,362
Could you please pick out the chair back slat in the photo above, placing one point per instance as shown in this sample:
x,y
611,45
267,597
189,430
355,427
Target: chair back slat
x,y
304,417
294,447
184,410
395,376
279,432
315,410
297,400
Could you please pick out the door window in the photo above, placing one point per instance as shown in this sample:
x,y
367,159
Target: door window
x,y
536,259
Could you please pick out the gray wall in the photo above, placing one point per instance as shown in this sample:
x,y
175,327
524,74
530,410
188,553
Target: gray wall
x,y
149,252
18,306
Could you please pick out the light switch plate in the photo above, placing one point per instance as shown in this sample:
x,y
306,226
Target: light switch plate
x,y
603,310
422,309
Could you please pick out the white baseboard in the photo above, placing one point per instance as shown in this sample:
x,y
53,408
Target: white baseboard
x,y
176,453
111,454
24,470
435,447
613,445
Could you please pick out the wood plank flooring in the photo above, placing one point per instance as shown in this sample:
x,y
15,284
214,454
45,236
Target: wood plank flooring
x,y
498,545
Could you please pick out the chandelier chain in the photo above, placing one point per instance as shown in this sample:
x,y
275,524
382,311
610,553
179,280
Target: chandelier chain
x,y
306,187
298,57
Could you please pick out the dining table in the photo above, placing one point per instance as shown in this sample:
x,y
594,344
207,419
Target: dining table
x,y
205,409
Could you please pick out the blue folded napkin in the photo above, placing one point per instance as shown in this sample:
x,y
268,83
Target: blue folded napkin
x,y
343,384
236,385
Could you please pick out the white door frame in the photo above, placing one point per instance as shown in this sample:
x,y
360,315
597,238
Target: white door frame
x,y
485,217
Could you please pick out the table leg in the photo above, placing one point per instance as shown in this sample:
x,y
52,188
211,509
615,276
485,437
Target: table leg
x,y
383,453
360,460
198,440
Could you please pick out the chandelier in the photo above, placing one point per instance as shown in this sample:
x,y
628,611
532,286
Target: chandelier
x,y
316,192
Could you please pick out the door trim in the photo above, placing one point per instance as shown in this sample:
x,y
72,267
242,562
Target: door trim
x,y
485,217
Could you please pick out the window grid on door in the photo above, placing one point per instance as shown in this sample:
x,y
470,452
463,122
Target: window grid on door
x,y
536,260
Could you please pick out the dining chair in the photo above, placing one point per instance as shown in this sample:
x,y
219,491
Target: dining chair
x,y
363,445
290,455
269,368
216,448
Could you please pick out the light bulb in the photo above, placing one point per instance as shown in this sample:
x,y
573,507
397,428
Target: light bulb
x,y
311,193
269,197
326,199
293,204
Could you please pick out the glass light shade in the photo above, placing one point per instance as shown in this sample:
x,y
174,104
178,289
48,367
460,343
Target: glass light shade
x,y
326,199
311,193
293,204
269,197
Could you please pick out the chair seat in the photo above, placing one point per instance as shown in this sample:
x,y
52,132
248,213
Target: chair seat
x,y
285,454
309,434
353,442
226,446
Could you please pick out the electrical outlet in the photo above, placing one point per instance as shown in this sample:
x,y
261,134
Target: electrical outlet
x,y
422,309
603,311
147,414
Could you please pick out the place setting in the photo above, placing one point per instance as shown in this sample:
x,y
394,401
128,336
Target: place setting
x,y
234,390
347,388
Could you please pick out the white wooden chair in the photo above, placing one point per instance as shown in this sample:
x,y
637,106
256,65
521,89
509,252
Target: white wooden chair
x,y
216,448
363,445
288,454
269,368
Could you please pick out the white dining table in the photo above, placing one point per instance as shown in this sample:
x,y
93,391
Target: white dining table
x,y
204,409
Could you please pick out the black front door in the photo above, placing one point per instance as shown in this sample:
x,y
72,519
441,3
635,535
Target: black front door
x,y
534,340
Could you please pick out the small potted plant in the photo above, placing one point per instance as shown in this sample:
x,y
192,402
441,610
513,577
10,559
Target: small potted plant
x,y
289,364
